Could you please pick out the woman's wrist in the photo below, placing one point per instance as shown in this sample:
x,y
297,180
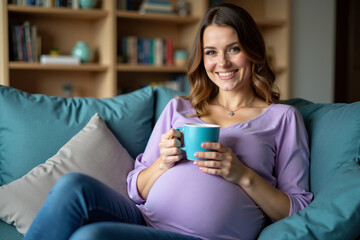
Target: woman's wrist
x,y
246,179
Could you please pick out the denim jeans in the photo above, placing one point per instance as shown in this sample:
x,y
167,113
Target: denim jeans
x,y
81,207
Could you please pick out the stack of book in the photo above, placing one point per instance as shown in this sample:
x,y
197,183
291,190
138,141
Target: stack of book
x,y
47,3
59,60
156,6
148,51
24,43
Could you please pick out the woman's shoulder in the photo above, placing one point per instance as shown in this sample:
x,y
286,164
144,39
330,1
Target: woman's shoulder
x,y
284,109
180,104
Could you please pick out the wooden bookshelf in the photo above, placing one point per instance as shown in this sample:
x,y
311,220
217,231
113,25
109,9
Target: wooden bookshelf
x,y
147,68
103,27
92,14
90,67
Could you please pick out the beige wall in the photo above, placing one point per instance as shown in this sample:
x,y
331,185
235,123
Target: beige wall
x,y
313,49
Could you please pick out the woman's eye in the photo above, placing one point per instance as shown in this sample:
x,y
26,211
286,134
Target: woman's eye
x,y
210,52
234,50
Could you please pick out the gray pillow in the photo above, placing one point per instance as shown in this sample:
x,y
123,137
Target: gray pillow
x,y
94,151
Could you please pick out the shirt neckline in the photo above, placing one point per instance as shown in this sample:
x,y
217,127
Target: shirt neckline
x,y
240,123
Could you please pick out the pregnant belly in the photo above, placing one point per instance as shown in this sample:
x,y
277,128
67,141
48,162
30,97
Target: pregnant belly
x,y
186,200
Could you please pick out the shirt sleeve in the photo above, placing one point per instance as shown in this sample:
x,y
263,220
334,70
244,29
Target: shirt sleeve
x,y
292,163
152,151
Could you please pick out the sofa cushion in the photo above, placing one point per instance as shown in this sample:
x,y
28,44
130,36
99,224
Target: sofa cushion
x,y
334,134
9,232
94,151
334,213
33,127
162,97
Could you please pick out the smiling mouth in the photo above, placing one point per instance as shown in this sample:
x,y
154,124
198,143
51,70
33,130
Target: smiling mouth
x,y
227,74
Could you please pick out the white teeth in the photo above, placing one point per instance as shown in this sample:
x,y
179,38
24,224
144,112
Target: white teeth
x,y
226,74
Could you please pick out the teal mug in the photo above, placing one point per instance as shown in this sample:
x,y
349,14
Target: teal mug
x,y
195,134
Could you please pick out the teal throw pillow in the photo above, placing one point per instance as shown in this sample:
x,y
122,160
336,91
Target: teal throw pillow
x,y
162,97
334,136
33,127
334,213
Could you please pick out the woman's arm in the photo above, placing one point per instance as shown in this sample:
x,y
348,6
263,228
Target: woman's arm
x,y
170,154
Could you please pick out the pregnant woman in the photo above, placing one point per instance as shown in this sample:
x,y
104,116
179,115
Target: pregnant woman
x,y
258,171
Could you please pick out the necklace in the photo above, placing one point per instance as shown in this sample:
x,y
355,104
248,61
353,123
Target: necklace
x,y
232,112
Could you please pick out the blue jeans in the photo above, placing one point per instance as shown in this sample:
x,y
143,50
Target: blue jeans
x,y
81,207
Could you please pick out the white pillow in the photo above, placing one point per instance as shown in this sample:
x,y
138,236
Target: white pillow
x,y
94,151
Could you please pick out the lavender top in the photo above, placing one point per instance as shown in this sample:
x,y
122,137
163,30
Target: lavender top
x,y
186,200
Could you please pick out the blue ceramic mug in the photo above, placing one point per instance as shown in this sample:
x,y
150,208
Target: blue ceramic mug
x,y
195,134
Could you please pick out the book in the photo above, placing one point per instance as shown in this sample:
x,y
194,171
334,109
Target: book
x,y
20,43
153,6
132,49
147,51
159,52
28,44
61,59
34,44
169,52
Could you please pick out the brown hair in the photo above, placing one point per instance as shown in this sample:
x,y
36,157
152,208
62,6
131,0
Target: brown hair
x,y
251,43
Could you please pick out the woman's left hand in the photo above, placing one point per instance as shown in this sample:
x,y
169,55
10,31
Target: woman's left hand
x,y
222,161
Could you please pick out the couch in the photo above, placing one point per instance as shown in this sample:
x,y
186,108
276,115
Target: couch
x,y
43,137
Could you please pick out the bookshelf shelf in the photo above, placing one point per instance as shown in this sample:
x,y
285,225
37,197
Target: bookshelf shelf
x,y
149,68
90,67
59,12
134,15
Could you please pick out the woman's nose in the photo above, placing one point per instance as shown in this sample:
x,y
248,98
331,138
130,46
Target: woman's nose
x,y
223,60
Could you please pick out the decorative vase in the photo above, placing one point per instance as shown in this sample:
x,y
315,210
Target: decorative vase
x,y
87,4
82,51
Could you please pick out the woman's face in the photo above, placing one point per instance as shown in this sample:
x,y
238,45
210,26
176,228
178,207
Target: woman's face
x,y
224,62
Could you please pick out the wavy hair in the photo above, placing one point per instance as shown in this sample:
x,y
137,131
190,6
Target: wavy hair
x,y
251,43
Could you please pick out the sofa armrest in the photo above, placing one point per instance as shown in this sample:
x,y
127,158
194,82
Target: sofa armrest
x,y
334,213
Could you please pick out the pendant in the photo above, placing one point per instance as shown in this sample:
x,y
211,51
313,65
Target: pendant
x,y
231,113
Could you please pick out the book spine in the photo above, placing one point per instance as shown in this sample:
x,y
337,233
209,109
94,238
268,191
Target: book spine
x,y
146,51
152,52
34,44
75,4
27,35
20,44
169,59
159,51
140,52
132,49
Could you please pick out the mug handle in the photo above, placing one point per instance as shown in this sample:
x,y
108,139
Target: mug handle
x,y
181,130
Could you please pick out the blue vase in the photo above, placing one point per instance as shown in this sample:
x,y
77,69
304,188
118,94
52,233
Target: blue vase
x,y
87,4
82,51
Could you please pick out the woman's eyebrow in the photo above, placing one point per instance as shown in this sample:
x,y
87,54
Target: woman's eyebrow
x,y
230,44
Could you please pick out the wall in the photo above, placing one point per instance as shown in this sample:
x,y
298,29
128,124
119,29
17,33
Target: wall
x,y
312,42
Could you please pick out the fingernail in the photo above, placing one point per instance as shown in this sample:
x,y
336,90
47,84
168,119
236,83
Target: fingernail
x,y
196,155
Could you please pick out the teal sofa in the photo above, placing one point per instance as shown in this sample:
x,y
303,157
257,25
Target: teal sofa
x,y
34,127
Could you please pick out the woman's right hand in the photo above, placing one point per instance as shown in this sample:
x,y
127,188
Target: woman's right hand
x,y
170,153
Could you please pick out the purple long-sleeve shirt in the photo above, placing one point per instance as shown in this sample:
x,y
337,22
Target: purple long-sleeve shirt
x,y
186,200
